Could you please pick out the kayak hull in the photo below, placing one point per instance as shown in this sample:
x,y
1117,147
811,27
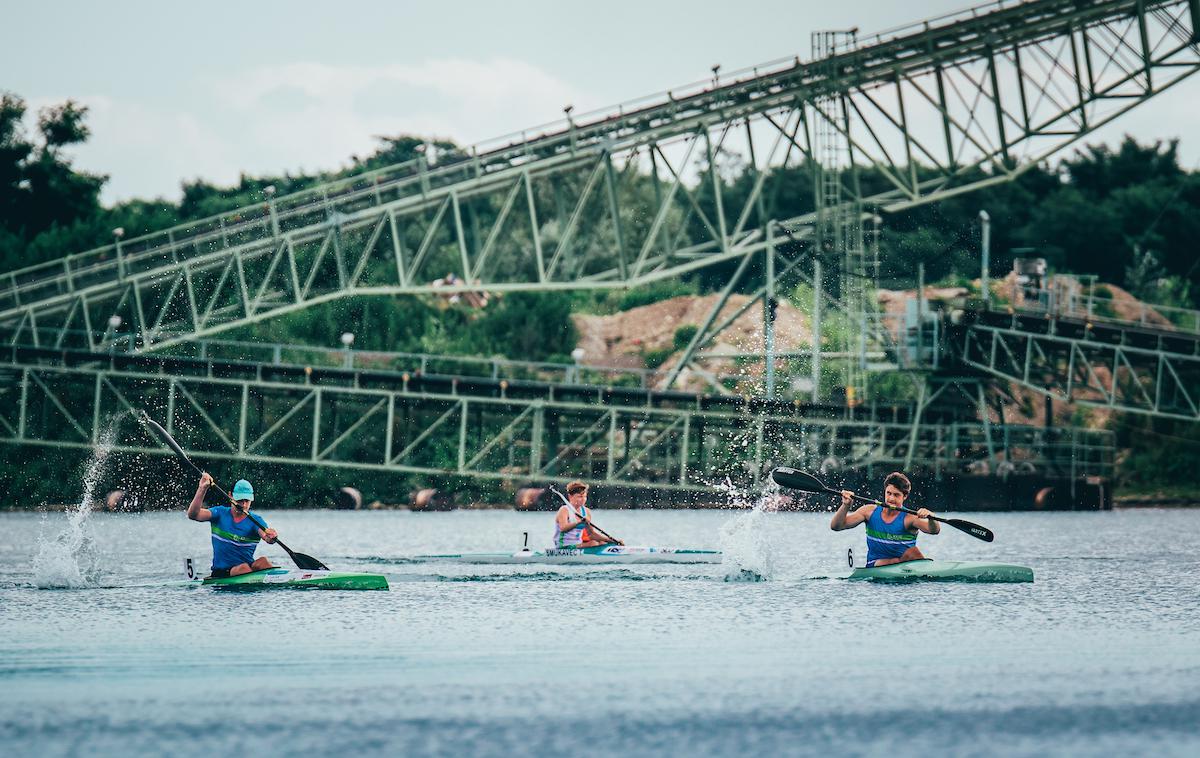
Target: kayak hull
x,y
588,555
948,571
281,578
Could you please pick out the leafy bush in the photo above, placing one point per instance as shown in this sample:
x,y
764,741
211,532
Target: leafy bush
x,y
656,292
1162,453
656,358
526,326
1102,302
684,334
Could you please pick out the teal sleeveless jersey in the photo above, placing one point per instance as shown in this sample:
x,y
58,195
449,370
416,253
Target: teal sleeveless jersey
x,y
233,542
886,540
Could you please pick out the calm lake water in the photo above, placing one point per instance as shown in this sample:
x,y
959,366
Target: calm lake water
x,y
103,652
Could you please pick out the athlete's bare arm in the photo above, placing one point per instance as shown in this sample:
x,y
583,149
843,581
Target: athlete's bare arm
x,y
844,518
566,519
922,522
196,510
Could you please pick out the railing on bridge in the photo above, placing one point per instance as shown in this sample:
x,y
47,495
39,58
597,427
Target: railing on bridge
x,y
271,218
604,384
503,438
1152,372
1067,296
1124,41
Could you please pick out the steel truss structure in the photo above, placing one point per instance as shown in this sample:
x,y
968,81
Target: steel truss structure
x,y
839,214
643,192
492,437
1153,373
1068,297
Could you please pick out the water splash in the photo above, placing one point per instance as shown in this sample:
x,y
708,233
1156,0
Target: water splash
x,y
749,552
70,559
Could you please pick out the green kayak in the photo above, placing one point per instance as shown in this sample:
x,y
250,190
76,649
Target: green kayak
x,y
297,579
948,571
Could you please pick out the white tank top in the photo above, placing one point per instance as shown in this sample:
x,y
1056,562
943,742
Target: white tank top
x,y
572,537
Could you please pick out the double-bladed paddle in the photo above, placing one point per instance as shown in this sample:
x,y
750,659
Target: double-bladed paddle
x,y
305,562
586,520
806,482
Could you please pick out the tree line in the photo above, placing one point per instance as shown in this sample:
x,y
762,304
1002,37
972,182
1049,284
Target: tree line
x,y
1127,214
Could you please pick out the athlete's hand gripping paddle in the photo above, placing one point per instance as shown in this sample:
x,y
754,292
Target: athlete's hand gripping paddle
x,y
305,562
586,520
806,482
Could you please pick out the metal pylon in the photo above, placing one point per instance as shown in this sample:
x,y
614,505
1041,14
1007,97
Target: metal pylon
x,y
839,211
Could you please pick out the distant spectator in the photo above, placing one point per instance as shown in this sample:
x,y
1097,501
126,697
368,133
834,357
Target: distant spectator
x,y
474,299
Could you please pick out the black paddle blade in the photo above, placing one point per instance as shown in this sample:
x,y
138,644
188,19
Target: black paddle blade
x,y
975,530
166,438
306,562
303,562
797,480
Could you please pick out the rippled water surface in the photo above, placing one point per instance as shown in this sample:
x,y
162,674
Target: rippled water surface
x,y
104,651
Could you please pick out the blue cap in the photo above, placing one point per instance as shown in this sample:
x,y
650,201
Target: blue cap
x,y
242,490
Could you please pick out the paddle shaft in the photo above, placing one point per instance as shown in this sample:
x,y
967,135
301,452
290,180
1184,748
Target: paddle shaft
x,y
301,560
872,501
595,528
975,530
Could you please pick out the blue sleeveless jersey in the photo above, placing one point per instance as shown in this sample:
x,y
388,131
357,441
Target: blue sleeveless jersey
x,y
886,540
233,542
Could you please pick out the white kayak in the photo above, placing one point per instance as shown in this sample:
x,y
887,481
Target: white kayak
x,y
586,555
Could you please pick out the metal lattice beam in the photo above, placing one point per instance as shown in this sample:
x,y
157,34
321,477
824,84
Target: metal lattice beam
x,y
490,437
1161,382
617,199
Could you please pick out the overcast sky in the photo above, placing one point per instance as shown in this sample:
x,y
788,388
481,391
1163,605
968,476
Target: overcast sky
x,y
179,91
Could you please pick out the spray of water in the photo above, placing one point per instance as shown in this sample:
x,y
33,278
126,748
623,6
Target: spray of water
x,y
70,559
749,552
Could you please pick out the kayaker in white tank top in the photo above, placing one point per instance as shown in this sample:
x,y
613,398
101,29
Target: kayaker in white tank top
x,y
570,524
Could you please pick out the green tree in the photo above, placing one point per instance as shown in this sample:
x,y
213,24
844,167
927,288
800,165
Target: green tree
x,y
529,326
40,190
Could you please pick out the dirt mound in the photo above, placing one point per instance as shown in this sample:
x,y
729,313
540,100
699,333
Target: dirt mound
x,y
896,301
1129,308
645,335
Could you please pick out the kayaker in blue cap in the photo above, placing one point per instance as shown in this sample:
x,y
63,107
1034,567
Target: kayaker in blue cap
x,y
891,533
235,536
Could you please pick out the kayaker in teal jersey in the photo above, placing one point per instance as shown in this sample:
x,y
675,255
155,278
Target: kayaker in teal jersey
x,y
891,533
234,534
570,524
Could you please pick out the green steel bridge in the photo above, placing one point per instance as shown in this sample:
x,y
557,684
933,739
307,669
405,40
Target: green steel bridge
x,y
617,199
1147,368
387,420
